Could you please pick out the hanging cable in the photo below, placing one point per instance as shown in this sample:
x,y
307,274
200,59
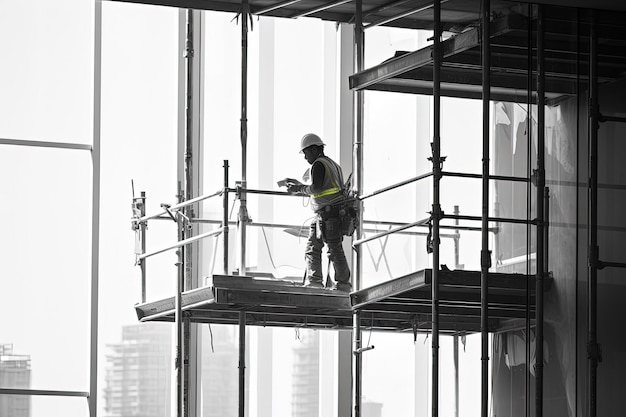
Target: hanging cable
x,y
211,337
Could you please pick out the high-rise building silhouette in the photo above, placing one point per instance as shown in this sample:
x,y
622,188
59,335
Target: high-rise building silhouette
x,y
138,372
305,393
14,373
220,383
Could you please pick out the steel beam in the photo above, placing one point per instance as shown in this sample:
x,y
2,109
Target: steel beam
x,y
274,6
405,13
416,59
325,6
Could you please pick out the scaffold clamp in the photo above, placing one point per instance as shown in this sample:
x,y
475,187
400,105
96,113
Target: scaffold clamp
x,y
594,351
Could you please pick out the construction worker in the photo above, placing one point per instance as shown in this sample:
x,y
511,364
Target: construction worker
x,y
326,193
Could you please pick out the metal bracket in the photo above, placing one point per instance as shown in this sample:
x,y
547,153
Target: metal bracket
x,y
429,237
594,258
437,164
538,177
485,259
594,351
363,349
166,207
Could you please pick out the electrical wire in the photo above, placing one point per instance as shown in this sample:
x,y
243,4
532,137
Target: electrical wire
x,y
211,335
267,245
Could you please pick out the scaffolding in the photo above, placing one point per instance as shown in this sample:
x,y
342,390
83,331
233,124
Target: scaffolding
x,y
436,300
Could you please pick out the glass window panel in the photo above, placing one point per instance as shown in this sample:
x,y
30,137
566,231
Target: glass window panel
x,y
389,378
383,42
44,406
139,132
46,244
219,389
47,74
222,102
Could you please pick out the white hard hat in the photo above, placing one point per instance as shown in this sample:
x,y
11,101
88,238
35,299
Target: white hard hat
x,y
310,139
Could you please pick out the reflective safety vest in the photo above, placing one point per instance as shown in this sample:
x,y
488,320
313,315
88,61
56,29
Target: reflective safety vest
x,y
332,188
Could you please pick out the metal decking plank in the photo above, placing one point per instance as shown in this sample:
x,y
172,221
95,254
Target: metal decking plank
x,y
416,59
190,299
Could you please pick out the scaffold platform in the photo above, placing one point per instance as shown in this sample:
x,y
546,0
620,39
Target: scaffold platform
x,y
401,304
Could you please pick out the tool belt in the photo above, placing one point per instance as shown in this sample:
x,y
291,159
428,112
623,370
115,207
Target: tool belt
x,y
339,219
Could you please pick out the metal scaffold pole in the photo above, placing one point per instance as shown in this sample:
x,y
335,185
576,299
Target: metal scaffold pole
x,y
242,364
243,210
593,349
455,340
436,209
187,154
178,318
243,218
225,217
541,184
485,254
357,263
529,130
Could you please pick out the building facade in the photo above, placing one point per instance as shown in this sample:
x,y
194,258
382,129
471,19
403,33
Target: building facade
x,y
15,372
138,372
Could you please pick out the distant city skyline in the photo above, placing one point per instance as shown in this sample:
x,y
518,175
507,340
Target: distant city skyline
x,y
138,372
15,372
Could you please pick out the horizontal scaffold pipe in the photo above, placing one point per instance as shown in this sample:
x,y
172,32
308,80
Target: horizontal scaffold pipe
x,y
390,231
491,177
266,192
182,243
399,184
180,205
604,118
300,226
491,219
604,264
455,227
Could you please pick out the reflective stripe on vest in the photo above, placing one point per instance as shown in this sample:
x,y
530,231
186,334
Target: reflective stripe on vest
x,y
327,192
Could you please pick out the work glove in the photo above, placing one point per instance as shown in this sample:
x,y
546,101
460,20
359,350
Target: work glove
x,y
295,188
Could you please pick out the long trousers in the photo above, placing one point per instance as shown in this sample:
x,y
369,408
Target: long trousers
x,y
327,231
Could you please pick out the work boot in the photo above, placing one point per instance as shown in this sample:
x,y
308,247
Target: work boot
x,y
342,286
313,283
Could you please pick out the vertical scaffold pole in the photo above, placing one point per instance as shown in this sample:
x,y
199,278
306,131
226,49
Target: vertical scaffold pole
x,y
357,263
242,219
485,254
593,350
243,210
140,204
187,153
455,341
225,216
436,209
541,184
242,364
529,130
178,318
